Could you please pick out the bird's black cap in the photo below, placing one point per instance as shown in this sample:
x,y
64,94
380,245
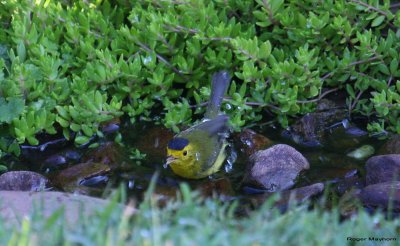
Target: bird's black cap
x,y
178,143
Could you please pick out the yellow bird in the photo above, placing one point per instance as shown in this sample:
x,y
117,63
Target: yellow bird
x,y
200,150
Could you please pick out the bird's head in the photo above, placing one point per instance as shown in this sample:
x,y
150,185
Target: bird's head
x,y
180,153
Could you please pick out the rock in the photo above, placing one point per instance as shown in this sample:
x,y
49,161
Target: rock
x,y
20,204
349,182
383,168
23,181
61,159
310,130
363,152
109,153
379,195
276,168
248,142
349,203
392,146
48,146
110,126
55,161
74,178
298,195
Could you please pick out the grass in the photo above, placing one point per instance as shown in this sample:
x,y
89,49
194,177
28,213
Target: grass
x,y
191,220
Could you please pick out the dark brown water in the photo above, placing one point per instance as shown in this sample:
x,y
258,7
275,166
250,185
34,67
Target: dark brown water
x,y
123,166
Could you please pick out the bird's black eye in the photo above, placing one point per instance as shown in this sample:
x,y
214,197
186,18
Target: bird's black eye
x,y
185,153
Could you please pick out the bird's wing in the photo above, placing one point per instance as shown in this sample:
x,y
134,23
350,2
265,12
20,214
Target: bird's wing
x,y
214,126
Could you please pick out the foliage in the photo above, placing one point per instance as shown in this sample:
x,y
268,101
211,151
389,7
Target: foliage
x,y
72,65
194,221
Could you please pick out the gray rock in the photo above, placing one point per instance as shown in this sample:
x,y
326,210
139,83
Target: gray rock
x,y
298,195
23,181
302,194
347,184
383,168
15,205
310,130
276,168
382,195
392,146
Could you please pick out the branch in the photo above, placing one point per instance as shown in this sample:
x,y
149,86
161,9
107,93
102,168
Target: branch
x,y
246,103
370,7
374,58
162,59
395,5
319,97
355,102
269,10
178,28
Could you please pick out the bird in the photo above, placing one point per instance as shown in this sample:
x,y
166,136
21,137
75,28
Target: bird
x,y
200,151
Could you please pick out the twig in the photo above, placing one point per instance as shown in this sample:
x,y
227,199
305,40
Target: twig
x,y
374,58
269,10
355,102
199,105
395,5
178,28
319,97
326,76
203,104
370,7
262,105
162,59
390,81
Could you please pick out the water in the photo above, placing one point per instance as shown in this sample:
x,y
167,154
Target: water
x,y
328,162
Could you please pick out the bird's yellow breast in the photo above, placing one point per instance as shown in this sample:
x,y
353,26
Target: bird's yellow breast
x,y
193,166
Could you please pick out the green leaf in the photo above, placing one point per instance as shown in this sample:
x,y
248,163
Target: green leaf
x,y
3,169
81,140
393,66
15,149
378,20
350,90
32,140
11,109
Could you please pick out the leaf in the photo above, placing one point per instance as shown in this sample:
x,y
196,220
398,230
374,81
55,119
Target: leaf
x,y
11,109
393,66
378,20
350,90
3,169
81,140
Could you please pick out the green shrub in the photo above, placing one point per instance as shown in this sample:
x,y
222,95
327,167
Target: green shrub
x,y
72,65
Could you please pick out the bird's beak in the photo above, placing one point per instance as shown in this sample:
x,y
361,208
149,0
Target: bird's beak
x,y
170,159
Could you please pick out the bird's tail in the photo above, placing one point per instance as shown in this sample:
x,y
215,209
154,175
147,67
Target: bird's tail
x,y
220,83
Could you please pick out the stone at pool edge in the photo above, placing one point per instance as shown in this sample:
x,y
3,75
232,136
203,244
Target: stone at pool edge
x,y
249,141
23,181
69,179
298,195
310,130
392,146
275,169
15,205
383,168
382,195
